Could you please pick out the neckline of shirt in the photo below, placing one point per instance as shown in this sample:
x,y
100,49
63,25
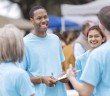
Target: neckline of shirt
x,y
40,38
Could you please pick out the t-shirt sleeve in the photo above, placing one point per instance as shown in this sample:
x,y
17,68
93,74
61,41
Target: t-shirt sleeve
x,y
78,67
92,71
24,85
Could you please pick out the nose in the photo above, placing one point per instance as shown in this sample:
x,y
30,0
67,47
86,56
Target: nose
x,y
44,19
93,38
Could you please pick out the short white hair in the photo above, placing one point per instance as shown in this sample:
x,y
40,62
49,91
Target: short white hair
x,y
11,44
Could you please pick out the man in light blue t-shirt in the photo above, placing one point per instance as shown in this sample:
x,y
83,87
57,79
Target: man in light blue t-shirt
x,y
43,56
97,70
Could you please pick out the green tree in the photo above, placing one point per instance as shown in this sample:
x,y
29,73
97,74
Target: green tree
x,y
52,6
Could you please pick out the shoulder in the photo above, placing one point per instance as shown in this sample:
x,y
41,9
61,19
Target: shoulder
x,y
83,56
27,36
98,51
78,45
15,73
97,55
52,35
19,72
28,39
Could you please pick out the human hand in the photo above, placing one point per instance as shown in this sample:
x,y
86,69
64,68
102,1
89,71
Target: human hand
x,y
71,72
65,80
49,80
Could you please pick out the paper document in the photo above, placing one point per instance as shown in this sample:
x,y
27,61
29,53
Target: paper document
x,y
65,76
62,77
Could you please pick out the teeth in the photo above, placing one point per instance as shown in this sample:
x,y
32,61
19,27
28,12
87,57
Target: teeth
x,y
43,26
94,43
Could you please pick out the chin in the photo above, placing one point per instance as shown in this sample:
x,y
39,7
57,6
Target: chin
x,y
94,47
43,30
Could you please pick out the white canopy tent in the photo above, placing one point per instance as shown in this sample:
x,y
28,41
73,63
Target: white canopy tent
x,y
91,8
82,13
81,19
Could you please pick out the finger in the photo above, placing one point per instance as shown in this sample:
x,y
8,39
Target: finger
x,y
51,84
53,81
64,72
70,66
67,71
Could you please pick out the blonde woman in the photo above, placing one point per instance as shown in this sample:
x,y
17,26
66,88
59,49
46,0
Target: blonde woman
x,y
14,81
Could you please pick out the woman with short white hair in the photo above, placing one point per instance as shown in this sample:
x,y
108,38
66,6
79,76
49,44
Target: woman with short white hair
x,y
14,80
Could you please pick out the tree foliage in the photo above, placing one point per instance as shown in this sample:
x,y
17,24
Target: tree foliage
x,y
52,6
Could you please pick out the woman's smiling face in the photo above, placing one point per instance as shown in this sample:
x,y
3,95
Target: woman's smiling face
x,y
95,38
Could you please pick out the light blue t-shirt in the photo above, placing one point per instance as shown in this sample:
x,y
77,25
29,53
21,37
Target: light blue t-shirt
x,y
14,81
80,63
78,50
97,70
43,56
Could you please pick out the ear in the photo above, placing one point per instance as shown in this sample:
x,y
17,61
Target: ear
x,y
104,39
31,19
101,26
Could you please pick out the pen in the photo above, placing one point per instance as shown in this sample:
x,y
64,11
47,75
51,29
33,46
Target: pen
x,y
52,77
52,74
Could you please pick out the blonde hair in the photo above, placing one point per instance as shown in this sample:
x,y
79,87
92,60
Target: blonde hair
x,y
11,44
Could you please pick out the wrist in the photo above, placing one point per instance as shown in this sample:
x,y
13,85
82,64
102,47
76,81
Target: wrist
x,y
71,77
41,80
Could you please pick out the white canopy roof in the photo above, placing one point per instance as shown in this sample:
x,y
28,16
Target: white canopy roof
x,y
81,19
85,9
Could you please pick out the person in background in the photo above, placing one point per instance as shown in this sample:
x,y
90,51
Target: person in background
x,y
14,81
68,52
96,73
62,39
43,56
81,45
95,39
69,56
